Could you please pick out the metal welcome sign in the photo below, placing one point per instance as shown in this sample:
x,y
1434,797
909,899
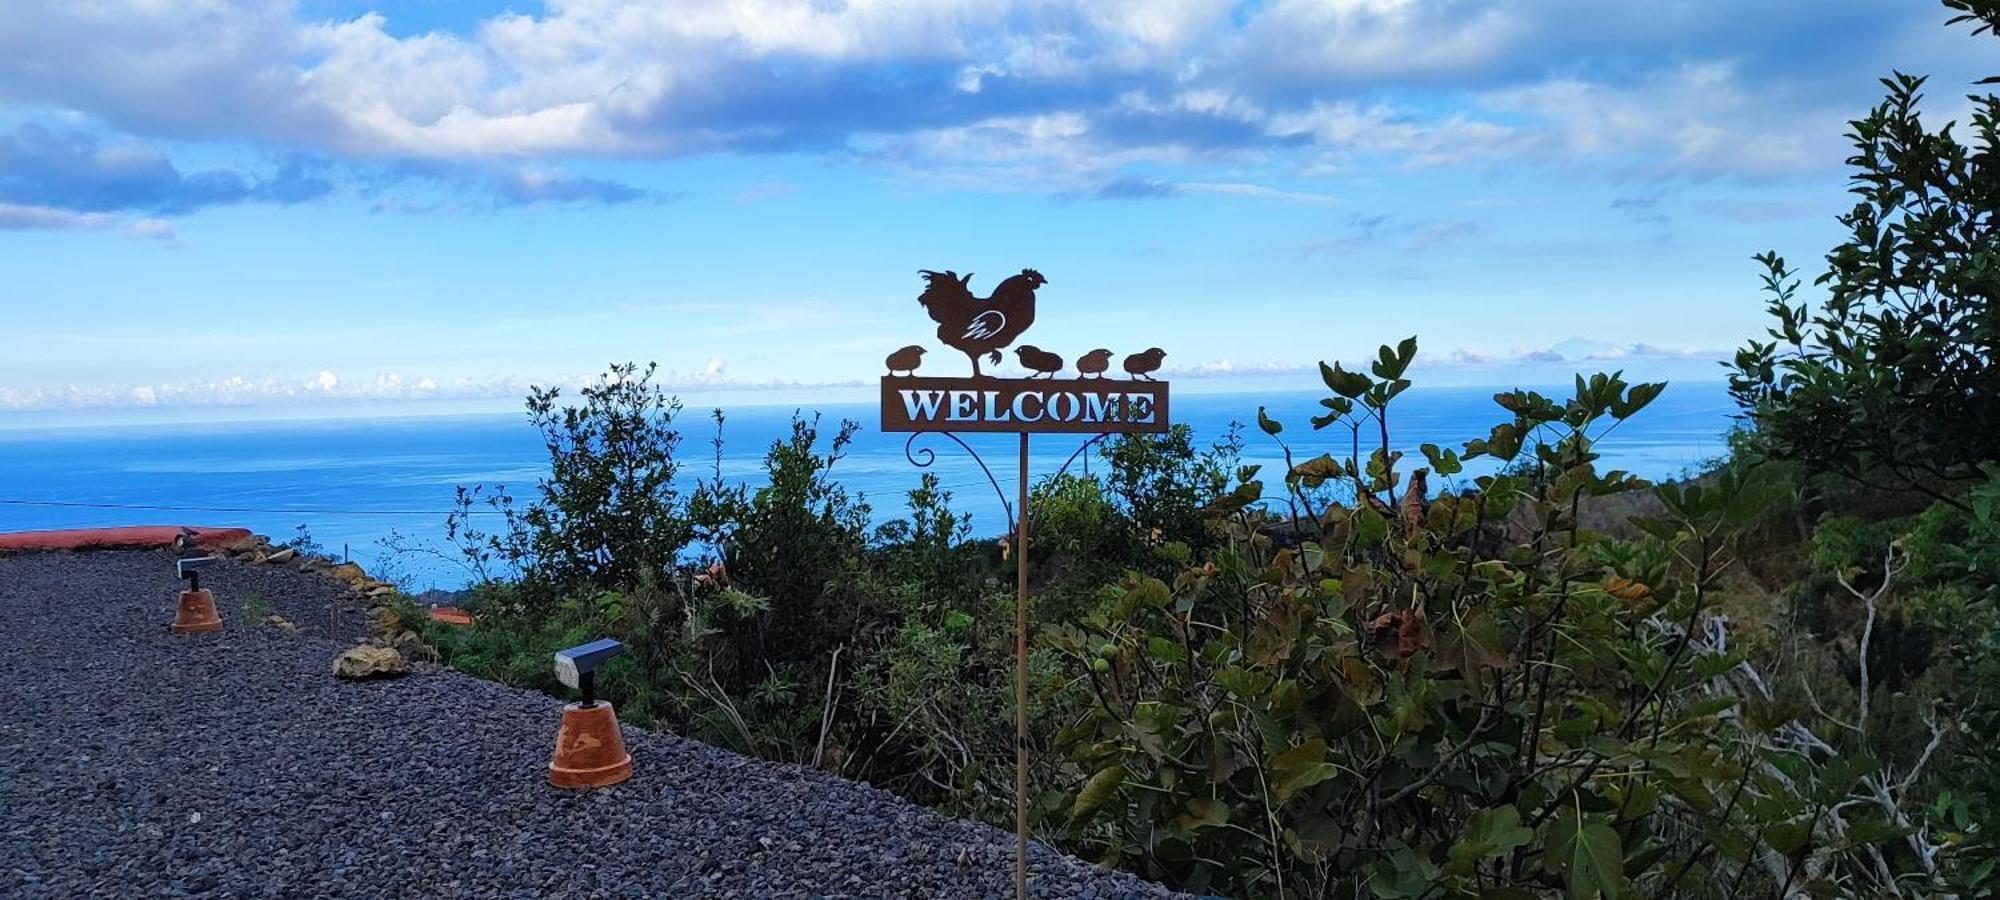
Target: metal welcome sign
x,y
1026,405
1094,401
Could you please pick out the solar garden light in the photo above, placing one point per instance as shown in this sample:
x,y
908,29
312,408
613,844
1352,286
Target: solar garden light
x,y
590,750
197,610
577,666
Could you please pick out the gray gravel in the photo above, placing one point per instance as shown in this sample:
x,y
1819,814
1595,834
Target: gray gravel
x,y
134,762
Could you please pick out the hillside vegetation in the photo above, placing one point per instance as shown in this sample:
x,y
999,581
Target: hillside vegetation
x,y
1385,675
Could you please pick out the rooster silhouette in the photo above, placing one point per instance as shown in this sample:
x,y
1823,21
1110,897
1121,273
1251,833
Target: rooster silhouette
x,y
980,327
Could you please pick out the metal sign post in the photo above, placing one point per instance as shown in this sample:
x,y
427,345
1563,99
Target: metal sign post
x,y
1091,403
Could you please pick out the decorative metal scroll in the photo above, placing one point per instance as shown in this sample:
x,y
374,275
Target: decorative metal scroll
x,y
925,457
930,458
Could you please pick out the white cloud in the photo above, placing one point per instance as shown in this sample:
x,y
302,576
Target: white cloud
x,y
326,387
1259,191
1696,119
1303,39
1049,93
19,217
1344,130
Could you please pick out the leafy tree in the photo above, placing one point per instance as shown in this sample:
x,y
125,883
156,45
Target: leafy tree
x,y
607,517
929,552
1162,481
795,541
1891,379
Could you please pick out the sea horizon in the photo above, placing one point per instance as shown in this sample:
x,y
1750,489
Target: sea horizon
x,y
355,480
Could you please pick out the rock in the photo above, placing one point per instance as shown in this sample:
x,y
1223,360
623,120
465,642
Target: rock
x,y
350,573
383,621
381,590
363,663
286,555
413,647
279,621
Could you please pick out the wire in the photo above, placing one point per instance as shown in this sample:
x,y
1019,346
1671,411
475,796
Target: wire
x,y
320,511
299,511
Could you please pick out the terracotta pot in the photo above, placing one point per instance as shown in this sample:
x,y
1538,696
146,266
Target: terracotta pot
x,y
590,750
197,613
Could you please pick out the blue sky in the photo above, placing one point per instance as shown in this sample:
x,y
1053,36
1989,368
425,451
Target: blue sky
x,y
425,204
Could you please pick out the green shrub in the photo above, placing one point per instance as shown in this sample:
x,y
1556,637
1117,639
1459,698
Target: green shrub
x,y
608,515
1162,483
1398,706
1362,687
1891,378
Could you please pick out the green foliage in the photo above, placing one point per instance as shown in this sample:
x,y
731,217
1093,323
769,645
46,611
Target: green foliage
x,y
1385,704
1889,382
1891,378
1161,482
930,550
608,515
1082,539
1961,545
1373,684
302,540
1953,570
796,542
1853,547
255,608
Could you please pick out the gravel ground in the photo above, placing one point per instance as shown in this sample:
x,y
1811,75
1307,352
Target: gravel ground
x,y
134,762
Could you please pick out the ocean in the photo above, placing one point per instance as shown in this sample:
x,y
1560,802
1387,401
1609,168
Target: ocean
x,y
351,482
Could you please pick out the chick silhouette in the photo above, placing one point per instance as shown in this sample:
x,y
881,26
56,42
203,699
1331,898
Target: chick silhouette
x,y
1141,365
906,360
1093,363
1043,363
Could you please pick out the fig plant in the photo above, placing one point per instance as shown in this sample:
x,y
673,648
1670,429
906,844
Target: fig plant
x,y
1404,695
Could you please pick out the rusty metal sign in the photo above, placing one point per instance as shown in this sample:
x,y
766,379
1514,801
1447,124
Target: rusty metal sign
x,y
1095,401
1079,406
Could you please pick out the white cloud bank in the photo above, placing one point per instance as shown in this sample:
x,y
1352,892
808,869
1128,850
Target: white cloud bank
x,y
1063,91
329,387
21,217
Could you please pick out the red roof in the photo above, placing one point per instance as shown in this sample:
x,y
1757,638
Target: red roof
x,y
451,615
132,537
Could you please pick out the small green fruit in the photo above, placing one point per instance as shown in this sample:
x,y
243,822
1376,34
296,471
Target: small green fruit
x,y
1100,665
1108,651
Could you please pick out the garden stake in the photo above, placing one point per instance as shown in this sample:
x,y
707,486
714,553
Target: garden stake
x,y
1021,681
1090,404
